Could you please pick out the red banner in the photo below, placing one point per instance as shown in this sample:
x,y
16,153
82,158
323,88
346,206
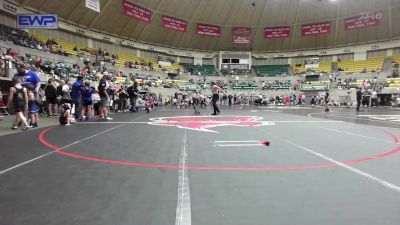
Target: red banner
x,y
137,12
277,32
316,28
208,30
241,35
174,24
363,20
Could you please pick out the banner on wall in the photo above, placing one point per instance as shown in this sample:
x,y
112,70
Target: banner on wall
x,y
93,5
36,21
174,24
208,30
316,28
276,32
137,12
241,35
364,20
235,66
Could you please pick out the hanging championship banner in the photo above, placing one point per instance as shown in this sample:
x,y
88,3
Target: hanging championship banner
x,y
241,35
364,20
93,5
277,32
316,28
174,24
208,30
137,12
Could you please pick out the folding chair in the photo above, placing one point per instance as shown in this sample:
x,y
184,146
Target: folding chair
x,y
3,109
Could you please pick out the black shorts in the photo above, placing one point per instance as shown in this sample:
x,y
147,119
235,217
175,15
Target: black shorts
x,y
51,100
62,120
86,103
19,108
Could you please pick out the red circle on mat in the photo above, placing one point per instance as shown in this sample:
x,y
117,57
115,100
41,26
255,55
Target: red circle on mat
x,y
193,167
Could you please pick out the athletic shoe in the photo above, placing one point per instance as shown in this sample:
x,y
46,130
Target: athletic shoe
x,y
14,127
108,118
27,127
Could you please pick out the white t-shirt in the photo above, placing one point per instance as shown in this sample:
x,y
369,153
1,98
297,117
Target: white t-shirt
x,y
65,91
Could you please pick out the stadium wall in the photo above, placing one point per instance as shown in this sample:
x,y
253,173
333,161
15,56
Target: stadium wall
x,y
93,39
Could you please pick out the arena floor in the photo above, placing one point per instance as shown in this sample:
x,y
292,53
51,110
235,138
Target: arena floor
x,y
169,167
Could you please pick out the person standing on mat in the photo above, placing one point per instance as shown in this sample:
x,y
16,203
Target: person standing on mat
x,y
51,97
76,97
133,94
326,102
18,96
215,89
103,89
359,97
29,79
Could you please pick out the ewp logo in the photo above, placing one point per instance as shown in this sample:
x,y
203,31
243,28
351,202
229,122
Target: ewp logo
x,y
33,21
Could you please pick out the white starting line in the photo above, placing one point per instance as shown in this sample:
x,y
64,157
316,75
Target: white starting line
x,y
217,122
244,143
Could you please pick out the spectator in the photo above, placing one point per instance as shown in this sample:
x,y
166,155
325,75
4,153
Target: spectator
x,y
65,93
51,97
123,99
359,98
374,98
18,96
65,115
2,105
87,91
139,103
29,79
133,93
34,106
103,88
77,97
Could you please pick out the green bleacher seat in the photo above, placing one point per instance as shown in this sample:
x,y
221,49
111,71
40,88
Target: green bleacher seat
x,y
271,70
209,70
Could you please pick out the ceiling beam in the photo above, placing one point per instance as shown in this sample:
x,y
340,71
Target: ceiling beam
x,y
295,24
42,5
337,22
227,17
189,22
108,3
152,17
258,26
24,3
73,10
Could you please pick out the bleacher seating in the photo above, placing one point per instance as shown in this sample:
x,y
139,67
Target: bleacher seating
x,y
396,58
271,70
195,69
244,86
86,51
369,65
278,85
393,82
324,67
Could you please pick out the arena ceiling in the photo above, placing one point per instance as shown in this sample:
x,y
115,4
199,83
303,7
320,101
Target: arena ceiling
x,y
256,14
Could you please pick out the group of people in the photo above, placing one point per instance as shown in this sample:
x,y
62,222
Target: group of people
x,y
22,95
63,97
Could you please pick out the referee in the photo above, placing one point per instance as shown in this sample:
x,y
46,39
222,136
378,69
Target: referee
x,y
215,89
